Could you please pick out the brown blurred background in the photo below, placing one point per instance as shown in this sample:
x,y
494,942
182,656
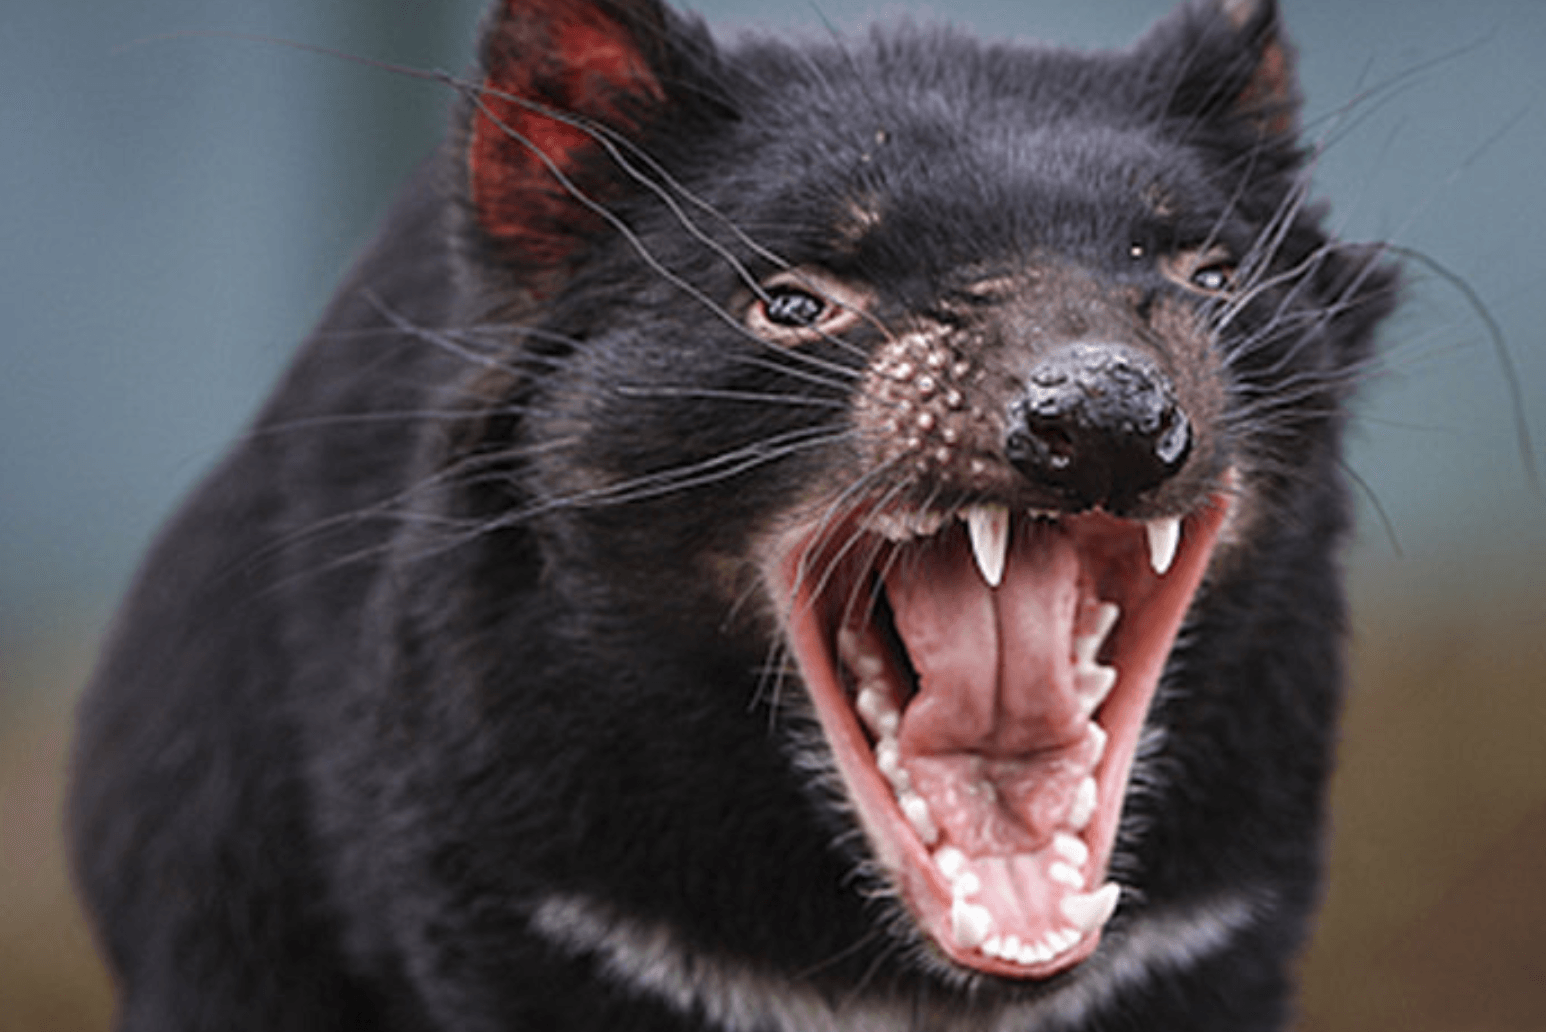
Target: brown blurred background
x,y
173,213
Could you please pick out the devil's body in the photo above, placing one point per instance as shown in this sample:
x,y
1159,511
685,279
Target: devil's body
x,y
511,672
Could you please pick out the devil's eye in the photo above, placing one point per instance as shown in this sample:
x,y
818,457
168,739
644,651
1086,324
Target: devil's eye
x,y
1214,278
805,305
792,307
1201,270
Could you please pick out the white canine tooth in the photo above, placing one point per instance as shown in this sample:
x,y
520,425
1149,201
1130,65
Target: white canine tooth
x,y
917,813
1071,848
988,527
1093,684
1164,536
1091,910
1088,644
1064,874
967,884
970,923
1084,805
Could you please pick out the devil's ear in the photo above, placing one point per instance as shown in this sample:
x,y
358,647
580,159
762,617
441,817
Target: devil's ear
x,y
562,78
1270,96
1226,60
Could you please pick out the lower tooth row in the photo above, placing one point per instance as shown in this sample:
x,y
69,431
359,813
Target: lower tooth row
x,y
1010,948
972,924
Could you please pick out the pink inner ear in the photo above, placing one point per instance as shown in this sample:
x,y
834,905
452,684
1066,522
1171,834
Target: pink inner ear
x,y
1271,91
559,55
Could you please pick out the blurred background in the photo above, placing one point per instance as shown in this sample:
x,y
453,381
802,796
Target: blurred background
x,y
176,205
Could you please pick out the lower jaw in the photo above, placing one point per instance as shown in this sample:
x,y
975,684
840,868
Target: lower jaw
x,y
1029,903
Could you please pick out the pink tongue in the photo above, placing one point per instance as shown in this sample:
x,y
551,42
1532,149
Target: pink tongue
x,y
995,741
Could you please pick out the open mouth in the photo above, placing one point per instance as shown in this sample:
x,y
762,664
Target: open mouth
x,y
983,679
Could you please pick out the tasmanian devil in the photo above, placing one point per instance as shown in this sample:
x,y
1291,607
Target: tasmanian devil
x,y
769,538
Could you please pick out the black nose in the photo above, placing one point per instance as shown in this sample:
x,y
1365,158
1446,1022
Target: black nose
x,y
1099,425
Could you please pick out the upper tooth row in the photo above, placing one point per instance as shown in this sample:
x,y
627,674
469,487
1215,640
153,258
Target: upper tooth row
x,y
988,527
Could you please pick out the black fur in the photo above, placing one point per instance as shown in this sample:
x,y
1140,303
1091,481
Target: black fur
x,y
472,623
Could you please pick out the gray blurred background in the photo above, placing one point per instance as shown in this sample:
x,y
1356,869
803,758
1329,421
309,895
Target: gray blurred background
x,y
176,205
